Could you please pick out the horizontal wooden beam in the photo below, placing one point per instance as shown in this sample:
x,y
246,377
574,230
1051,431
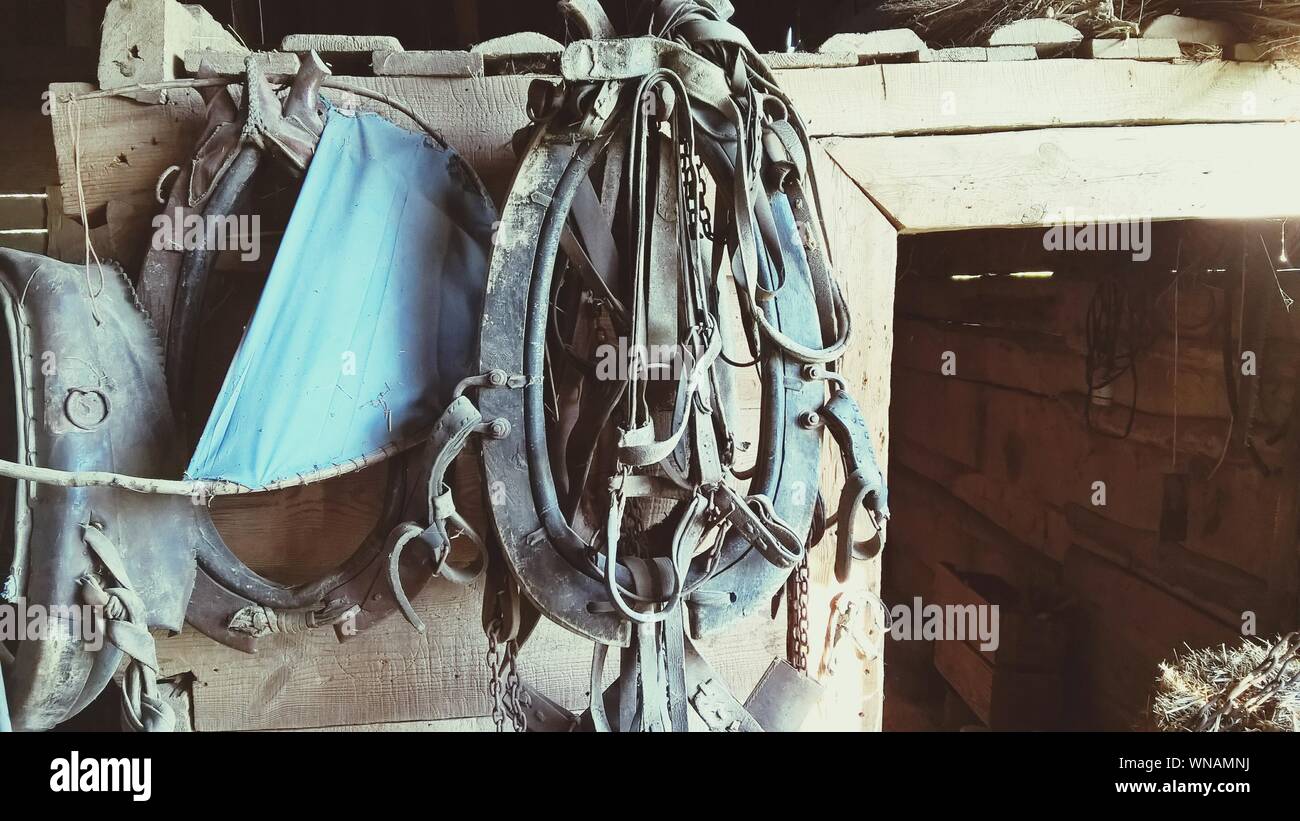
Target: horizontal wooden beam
x,y
934,98
1019,178
126,145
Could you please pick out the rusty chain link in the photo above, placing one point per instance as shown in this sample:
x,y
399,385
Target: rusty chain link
x,y
796,640
510,701
1273,673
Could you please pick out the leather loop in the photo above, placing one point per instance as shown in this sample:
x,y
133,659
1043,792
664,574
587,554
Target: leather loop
x,y
864,490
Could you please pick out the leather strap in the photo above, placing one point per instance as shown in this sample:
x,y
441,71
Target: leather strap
x,y
864,489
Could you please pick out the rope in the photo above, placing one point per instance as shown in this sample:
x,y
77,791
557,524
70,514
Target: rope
x,y
213,82
85,219
197,488
258,620
1115,333
127,629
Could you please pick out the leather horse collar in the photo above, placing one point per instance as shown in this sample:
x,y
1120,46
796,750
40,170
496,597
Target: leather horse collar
x,y
616,497
152,559
232,603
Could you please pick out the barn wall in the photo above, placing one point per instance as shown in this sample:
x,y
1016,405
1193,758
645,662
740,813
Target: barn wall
x,y
994,467
391,673
1004,509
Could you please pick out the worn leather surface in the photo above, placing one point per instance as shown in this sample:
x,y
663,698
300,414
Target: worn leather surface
x,y
91,377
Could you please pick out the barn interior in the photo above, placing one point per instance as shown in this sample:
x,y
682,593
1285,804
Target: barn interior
x,y
1070,264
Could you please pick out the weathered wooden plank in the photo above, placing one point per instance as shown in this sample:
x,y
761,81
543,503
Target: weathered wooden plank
x,y
144,41
1037,481
117,147
33,242
934,98
859,101
1129,626
779,61
941,411
473,724
391,673
864,248
889,44
1048,365
125,145
1050,37
962,54
232,63
340,43
427,63
1133,48
20,212
1002,699
1013,179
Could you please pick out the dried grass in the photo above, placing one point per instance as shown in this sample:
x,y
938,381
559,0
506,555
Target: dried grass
x,y
1274,24
1233,683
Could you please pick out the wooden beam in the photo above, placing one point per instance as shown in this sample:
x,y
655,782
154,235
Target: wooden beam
x,y
125,145
144,41
391,673
1019,178
934,98
1046,364
864,248
427,63
861,101
1128,626
473,724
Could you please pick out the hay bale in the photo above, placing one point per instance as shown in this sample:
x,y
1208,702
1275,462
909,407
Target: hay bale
x,y
1252,687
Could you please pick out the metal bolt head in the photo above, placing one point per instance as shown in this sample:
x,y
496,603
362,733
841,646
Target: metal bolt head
x,y
86,408
499,428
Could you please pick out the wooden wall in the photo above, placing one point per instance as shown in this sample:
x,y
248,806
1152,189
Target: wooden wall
x,y
994,465
391,673
996,142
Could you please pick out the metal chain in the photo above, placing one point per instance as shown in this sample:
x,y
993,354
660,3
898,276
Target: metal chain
x,y
495,688
796,641
517,701
510,700
1272,674
706,216
697,191
689,183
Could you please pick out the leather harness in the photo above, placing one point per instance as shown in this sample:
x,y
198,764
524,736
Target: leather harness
x,y
642,121
619,502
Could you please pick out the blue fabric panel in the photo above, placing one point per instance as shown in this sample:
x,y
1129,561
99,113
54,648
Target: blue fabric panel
x,y
370,315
